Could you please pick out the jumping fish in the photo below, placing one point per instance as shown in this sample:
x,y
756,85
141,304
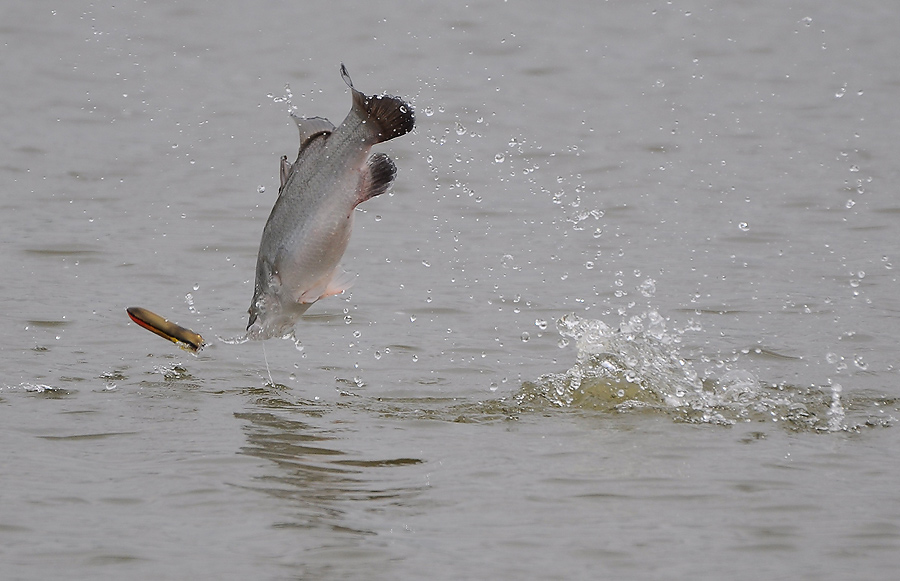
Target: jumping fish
x,y
184,338
309,227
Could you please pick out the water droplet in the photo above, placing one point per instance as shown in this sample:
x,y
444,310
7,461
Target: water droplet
x,y
540,324
525,336
744,226
499,158
460,130
426,264
378,355
415,358
261,189
850,203
348,319
196,286
428,111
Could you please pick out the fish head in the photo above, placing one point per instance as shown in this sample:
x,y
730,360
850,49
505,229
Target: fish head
x,y
271,317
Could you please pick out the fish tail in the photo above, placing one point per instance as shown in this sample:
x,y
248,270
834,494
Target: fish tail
x,y
390,116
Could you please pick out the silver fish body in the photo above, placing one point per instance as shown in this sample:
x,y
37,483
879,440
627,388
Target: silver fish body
x,y
309,227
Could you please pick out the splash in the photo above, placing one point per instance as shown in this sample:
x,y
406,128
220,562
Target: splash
x,y
286,98
246,338
238,340
638,367
173,372
28,387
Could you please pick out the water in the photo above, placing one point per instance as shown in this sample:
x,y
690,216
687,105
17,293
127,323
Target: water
x,y
631,311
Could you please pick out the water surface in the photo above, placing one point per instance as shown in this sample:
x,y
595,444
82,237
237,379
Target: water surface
x,y
631,311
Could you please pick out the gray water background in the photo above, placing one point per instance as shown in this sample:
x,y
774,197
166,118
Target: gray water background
x,y
728,165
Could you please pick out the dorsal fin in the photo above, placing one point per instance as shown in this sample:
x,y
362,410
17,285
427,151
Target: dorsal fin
x,y
392,116
311,127
377,177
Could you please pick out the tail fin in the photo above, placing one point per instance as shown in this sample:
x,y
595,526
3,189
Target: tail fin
x,y
392,116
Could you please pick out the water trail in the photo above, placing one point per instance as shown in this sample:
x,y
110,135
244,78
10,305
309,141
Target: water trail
x,y
268,371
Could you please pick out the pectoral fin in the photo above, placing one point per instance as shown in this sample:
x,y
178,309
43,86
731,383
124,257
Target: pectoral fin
x,y
286,168
340,282
337,283
377,177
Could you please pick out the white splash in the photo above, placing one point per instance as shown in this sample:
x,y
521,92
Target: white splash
x,y
638,366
